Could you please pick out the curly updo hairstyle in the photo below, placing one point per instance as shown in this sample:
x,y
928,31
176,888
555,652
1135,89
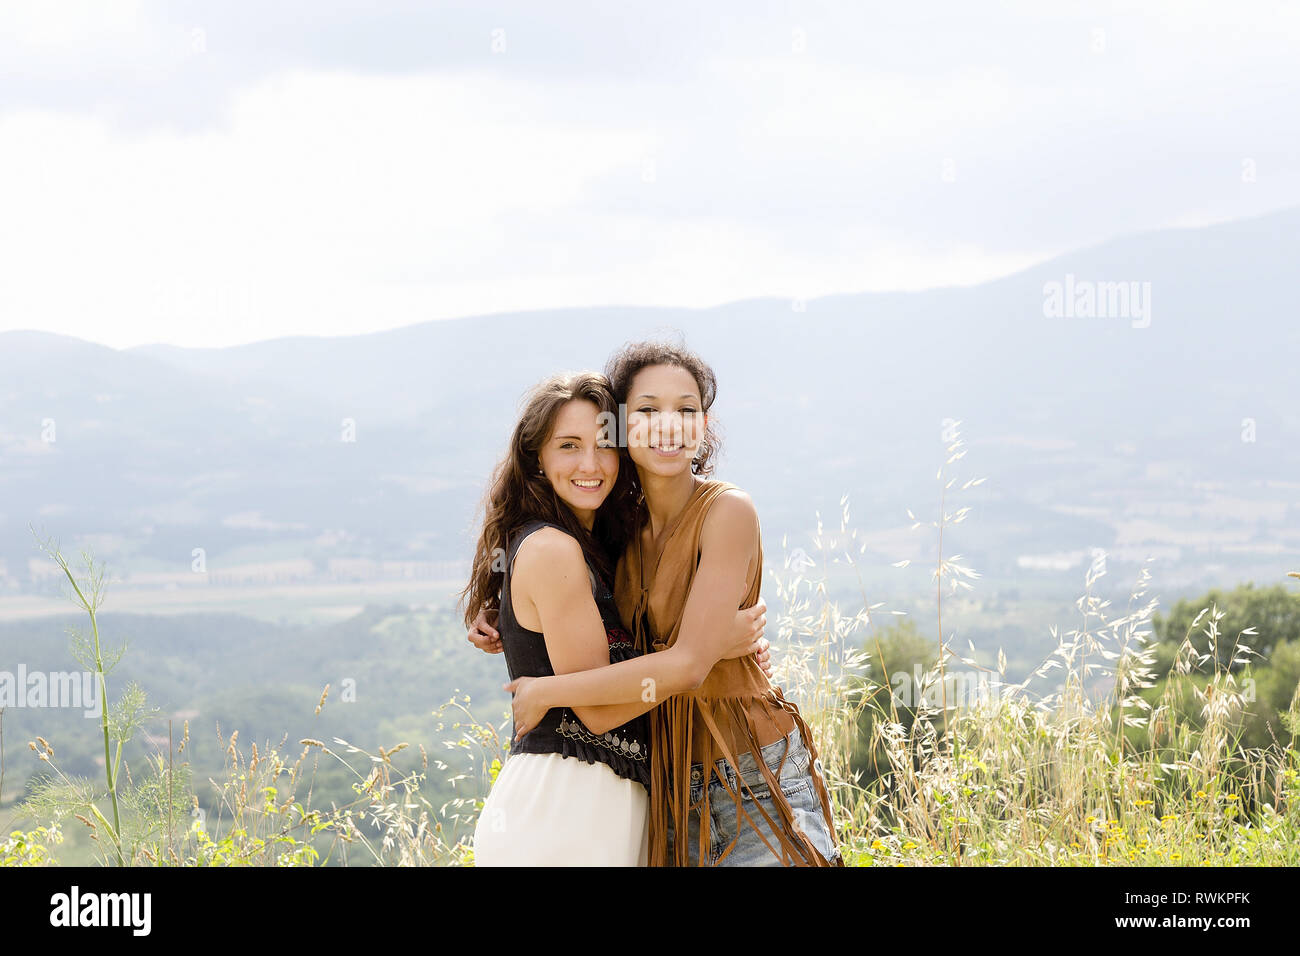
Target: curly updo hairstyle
x,y
634,356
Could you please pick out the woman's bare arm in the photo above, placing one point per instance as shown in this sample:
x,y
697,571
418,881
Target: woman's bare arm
x,y
550,573
747,631
728,548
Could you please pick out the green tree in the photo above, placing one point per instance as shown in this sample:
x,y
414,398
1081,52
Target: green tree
x,y
1274,614
897,656
1268,681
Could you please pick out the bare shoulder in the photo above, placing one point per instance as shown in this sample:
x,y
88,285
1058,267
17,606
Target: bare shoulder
x,y
549,553
731,513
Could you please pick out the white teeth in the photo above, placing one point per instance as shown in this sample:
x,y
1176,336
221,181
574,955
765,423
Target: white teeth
x,y
593,483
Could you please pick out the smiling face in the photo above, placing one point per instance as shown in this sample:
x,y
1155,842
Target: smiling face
x,y
579,459
665,419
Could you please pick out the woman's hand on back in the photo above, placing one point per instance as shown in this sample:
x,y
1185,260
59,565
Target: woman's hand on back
x,y
527,704
764,656
748,632
483,634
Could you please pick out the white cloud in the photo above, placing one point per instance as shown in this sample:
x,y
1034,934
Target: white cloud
x,y
335,198
325,204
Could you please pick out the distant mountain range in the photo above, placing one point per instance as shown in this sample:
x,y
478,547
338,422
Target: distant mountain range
x,y
1165,421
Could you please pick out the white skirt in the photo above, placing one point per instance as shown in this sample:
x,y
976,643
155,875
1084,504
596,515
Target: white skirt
x,y
552,810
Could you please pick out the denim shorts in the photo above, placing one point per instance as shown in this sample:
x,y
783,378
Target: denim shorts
x,y
800,789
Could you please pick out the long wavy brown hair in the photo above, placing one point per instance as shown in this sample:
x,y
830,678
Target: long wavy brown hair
x,y
517,494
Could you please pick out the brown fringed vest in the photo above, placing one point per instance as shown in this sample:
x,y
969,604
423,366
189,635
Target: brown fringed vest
x,y
735,710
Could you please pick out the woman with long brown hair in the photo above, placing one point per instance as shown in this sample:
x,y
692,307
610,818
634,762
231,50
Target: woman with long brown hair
x,y
559,510
735,778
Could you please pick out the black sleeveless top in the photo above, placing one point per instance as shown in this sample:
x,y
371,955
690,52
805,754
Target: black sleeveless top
x,y
625,749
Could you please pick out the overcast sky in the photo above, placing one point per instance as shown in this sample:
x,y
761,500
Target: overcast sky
x,y
209,174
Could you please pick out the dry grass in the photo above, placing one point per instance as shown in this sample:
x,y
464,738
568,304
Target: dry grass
x,y
1071,766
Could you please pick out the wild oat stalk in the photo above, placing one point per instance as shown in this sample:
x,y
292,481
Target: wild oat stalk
x,y
95,586
819,663
1089,770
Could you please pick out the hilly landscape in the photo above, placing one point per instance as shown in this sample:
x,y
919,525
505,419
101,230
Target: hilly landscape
x,y
298,512
1176,438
